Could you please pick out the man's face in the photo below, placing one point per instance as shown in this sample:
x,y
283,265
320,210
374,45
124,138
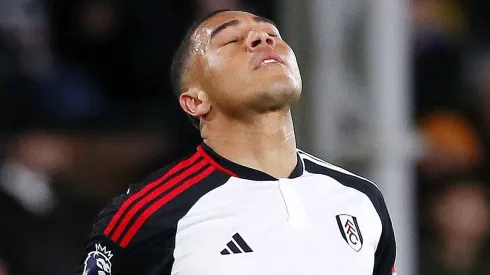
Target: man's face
x,y
244,65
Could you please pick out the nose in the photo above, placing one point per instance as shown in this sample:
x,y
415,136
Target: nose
x,y
257,39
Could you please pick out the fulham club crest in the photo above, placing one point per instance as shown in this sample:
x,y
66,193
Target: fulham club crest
x,y
350,231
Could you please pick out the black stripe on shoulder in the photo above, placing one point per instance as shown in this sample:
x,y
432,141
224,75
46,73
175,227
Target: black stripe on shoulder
x,y
332,167
318,166
349,180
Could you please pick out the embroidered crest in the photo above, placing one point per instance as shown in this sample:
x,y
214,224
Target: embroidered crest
x,y
349,228
98,262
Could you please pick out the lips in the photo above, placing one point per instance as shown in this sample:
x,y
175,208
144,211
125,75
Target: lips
x,y
266,58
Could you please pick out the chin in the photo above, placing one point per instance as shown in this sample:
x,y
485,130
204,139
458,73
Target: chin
x,y
285,86
278,95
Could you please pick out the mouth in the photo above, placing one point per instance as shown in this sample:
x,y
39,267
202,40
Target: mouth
x,y
268,58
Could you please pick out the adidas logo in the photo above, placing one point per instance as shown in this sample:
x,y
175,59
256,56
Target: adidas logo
x,y
235,245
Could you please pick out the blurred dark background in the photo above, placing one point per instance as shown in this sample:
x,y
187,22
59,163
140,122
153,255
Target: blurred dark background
x,y
86,109
451,87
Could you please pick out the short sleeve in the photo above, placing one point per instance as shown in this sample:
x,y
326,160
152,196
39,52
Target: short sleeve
x,y
102,256
384,261
148,252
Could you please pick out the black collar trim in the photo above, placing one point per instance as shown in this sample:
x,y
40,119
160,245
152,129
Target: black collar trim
x,y
240,171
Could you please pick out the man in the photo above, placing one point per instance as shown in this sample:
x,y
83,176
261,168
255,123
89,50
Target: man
x,y
247,201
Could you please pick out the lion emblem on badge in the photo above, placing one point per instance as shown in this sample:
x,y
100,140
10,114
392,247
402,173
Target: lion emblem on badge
x,y
98,262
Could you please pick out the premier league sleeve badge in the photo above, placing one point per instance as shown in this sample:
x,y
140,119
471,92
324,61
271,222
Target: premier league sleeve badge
x,y
98,261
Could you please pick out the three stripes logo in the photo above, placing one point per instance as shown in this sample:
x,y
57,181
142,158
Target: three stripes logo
x,y
349,228
237,245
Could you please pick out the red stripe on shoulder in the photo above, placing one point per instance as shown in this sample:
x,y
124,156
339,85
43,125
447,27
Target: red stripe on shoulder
x,y
181,165
153,195
214,163
161,202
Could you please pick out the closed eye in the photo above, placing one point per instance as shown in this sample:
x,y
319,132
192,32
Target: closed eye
x,y
272,35
232,41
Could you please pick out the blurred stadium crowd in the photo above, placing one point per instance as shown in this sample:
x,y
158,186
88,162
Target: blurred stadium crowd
x,y
86,109
451,69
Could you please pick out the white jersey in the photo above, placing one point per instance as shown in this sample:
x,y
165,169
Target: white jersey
x,y
209,216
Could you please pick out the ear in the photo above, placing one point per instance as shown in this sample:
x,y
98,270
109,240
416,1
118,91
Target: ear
x,y
195,102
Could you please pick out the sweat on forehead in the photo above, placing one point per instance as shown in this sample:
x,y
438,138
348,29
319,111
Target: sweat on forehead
x,y
217,23
221,17
220,21
203,29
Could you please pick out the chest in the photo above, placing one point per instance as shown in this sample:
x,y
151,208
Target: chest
x,y
308,226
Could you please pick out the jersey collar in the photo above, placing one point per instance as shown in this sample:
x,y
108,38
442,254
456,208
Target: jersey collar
x,y
241,171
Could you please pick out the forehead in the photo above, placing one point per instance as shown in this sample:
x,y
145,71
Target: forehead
x,y
201,37
224,17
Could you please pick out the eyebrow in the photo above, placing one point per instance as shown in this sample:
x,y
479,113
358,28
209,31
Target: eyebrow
x,y
259,19
234,23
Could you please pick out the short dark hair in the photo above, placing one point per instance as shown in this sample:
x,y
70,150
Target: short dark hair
x,y
181,57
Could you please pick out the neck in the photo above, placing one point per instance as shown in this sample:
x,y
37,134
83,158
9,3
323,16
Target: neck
x,y
268,144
